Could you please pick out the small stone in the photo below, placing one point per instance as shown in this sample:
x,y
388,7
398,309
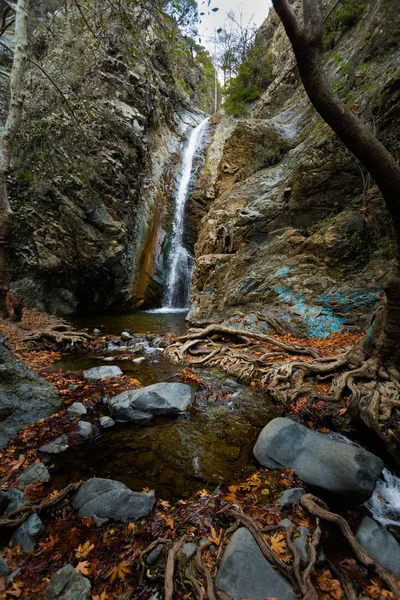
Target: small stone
x,y
287,497
36,473
286,523
73,387
68,584
189,549
136,349
154,555
230,383
301,545
108,358
10,500
96,331
27,532
77,409
138,360
57,446
4,570
126,336
85,430
102,372
106,422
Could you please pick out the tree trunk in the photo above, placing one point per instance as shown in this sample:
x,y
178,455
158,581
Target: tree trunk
x,y
382,342
6,142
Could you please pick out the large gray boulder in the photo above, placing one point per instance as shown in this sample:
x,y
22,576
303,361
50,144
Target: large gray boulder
x,y
24,396
317,459
107,500
157,399
379,543
245,573
68,584
102,372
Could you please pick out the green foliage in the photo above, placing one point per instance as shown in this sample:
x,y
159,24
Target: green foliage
x,y
239,91
254,75
345,16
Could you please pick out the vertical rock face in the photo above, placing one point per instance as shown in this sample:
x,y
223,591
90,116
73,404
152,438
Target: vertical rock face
x,y
92,178
294,226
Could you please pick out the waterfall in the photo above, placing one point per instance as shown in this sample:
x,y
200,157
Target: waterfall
x,y
180,264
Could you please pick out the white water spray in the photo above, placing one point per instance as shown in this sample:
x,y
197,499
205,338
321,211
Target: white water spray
x,y
180,265
384,505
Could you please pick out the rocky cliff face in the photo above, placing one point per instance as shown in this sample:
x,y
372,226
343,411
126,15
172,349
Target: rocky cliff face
x,y
96,158
296,227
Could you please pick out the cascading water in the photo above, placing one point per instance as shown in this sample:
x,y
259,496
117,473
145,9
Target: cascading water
x,y
180,265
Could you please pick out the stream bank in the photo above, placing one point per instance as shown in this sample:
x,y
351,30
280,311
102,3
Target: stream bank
x,y
226,418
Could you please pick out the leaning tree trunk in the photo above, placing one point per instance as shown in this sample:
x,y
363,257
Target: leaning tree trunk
x,y
382,342
7,138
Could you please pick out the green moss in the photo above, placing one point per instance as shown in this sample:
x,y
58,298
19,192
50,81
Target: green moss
x,y
348,13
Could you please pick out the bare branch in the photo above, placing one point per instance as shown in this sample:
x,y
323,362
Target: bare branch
x,y
5,74
10,5
289,19
6,46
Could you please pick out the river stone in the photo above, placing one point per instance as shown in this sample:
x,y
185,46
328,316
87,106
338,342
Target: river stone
x,y
301,545
156,399
10,500
189,549
68,584
126,336
245,573
24,396
107,500
102,372
4,570
154,554
85,430
287,497
106,422
36,473
379,543
27,532
77,409
56,446
340,468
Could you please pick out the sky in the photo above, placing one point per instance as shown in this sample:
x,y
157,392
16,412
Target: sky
x,y
257,10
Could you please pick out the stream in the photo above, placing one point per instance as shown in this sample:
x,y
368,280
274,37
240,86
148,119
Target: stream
x,y
210,445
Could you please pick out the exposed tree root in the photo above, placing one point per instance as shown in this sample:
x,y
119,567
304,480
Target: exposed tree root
x,y
220,331
202,569
58,337
170,568
27,509
371,389
316,507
